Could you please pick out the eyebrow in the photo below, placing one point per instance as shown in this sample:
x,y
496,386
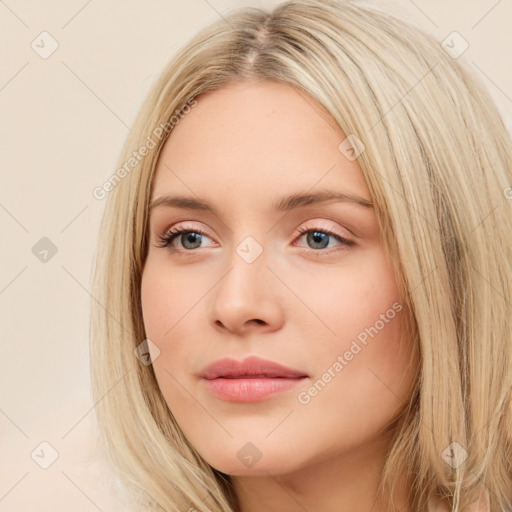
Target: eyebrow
x,y
294,201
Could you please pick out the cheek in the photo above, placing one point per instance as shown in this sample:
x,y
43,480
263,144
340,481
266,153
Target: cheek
x,y
362,309
164,315
171,303
350,299
167,298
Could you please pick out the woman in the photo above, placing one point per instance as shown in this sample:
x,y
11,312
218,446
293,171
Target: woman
x,y
303,286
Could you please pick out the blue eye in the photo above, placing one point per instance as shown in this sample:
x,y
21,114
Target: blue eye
x,y
191,238
320,236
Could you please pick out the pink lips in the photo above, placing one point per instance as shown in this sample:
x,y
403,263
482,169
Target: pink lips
x,y
251,380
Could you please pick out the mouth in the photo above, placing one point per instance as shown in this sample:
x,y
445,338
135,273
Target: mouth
x,y
253,379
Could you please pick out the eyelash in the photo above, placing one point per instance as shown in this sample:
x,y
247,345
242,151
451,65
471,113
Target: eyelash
x,y
173,233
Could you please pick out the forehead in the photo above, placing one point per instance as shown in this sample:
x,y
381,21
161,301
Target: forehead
x,y
253,140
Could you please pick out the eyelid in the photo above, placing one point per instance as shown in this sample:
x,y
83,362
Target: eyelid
x,y
317,225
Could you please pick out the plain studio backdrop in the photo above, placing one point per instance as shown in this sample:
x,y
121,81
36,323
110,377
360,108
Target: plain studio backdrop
x,y
72,79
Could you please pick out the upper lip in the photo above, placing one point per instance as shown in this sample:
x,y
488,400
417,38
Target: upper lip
x,y
251,367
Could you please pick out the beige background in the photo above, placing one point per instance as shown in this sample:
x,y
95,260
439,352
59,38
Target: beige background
x,y
63,120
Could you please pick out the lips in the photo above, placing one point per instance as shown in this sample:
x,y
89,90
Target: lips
x,y
252,380
251,367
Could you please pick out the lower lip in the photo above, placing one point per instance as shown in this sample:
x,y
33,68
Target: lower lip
x,y
250,390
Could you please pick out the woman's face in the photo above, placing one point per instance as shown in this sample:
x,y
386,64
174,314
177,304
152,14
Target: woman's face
x,y
259,274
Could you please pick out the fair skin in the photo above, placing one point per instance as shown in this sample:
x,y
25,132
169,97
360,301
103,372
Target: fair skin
x,y
301,302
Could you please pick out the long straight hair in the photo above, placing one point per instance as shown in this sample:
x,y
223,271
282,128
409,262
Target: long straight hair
x,y
437,158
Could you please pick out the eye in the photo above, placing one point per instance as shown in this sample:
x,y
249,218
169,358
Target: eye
x,y
191,238
319,238
188,236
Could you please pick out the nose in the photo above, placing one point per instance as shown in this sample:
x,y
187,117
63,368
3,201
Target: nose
x,y
247,298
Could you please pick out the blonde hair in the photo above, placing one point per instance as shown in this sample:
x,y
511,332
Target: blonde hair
x,y
437,158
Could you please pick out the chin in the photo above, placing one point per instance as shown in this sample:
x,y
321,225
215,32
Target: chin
x,y
246,459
